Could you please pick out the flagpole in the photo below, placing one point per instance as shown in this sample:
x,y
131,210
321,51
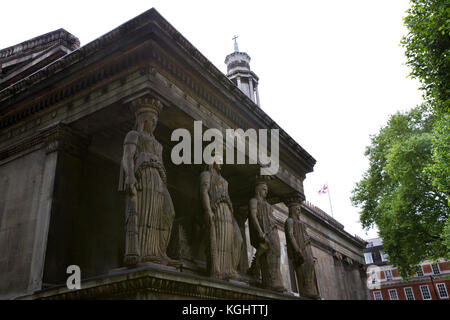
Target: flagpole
x,y
329,199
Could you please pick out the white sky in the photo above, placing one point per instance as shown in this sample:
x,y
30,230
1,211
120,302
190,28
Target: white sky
x,y
331,72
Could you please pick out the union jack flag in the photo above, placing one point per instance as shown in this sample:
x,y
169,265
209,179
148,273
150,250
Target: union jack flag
x,y
324,189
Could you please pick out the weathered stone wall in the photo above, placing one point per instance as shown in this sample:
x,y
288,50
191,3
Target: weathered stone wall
x,y
88,215
99,225
326,275
25,188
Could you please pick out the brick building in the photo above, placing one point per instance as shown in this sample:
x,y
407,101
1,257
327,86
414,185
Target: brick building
x,y
431,282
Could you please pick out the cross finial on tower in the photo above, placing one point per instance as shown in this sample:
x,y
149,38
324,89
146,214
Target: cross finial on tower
x,y
236,49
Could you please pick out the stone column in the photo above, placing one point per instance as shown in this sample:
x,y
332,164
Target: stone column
x,y
42,223
257,96
349,278
238,79
251,92
362,270
339,274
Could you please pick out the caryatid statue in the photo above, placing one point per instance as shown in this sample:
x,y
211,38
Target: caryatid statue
x,y
264,237
299,250
149,207
224,236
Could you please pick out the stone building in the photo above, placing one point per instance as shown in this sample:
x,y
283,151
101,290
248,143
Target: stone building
x,y
64,113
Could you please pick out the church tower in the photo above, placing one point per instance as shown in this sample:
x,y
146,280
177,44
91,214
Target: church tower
x,y
238,71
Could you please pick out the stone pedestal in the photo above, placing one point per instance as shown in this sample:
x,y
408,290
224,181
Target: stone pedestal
x,y
157,282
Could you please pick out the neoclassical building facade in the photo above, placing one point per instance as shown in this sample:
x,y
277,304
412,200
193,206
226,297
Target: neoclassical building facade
x,y
66,113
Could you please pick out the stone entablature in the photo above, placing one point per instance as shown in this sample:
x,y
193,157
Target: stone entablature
x,y
23,59
39,43
60,137
318,222
10,96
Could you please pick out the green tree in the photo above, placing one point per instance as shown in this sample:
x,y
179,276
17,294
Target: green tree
x,y
427,47
398,196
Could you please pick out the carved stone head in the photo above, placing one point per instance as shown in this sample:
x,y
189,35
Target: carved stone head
x,y
295,210
262,189
147,112
293,202
217,163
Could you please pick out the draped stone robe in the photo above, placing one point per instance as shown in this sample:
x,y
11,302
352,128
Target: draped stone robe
x,y
225,243
269,260
153,204
304,272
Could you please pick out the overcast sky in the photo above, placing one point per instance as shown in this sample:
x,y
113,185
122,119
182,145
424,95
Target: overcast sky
x,y
331,72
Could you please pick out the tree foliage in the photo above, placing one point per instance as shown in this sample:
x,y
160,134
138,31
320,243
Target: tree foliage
x,y
398,195
427,47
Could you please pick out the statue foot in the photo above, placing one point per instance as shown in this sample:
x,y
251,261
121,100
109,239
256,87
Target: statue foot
x,y
310,295
170,262
216,275
234,276
131,260
278,288
165,260
154,259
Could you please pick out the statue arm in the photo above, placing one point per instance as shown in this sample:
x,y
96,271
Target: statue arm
x,y
129,150
205,183
163,173
289,230
253,219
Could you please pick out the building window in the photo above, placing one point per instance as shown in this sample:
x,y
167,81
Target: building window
x,y
388,274
435,267
368,257
420,272
409,293
393,294
373,276
443,294
369,245
377,295
425,292
384,256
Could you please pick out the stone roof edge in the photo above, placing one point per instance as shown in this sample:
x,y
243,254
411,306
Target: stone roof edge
x,y
322,215
39,40
136,22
